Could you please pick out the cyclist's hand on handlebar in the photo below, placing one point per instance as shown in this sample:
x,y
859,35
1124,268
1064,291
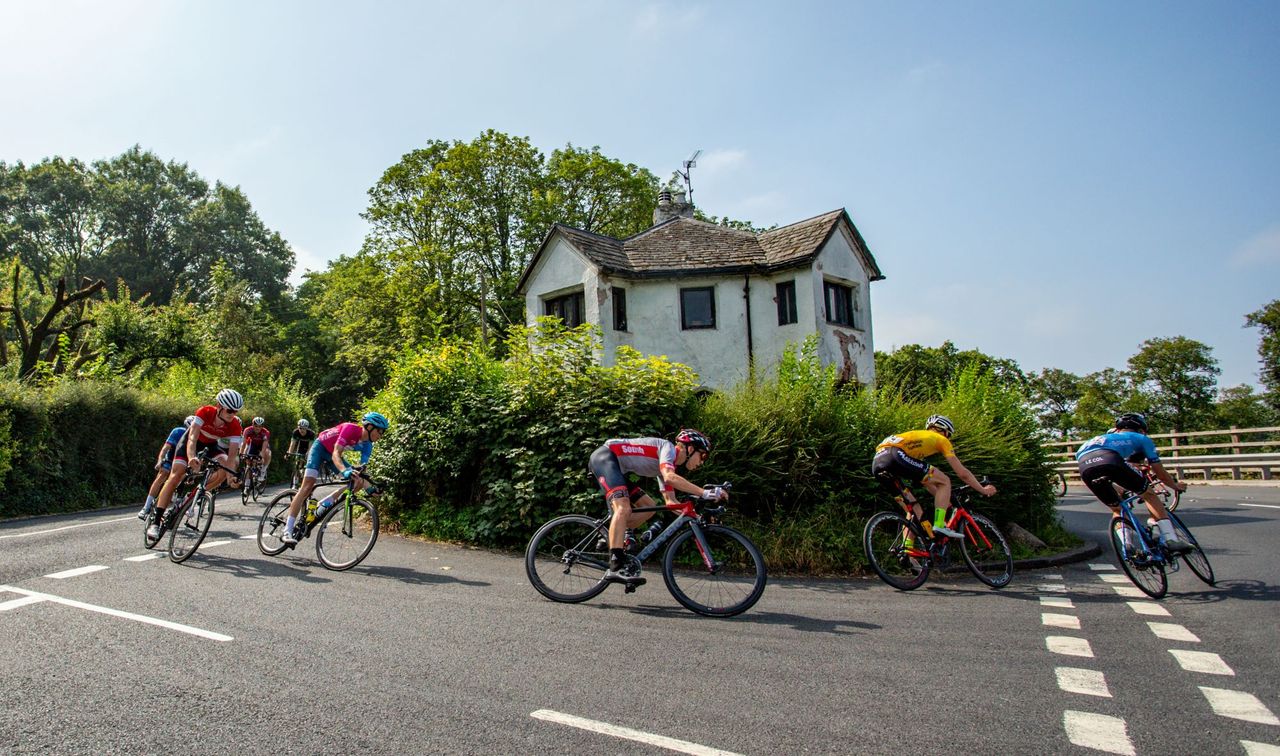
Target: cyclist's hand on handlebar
x,y
1179,486
987,490
714,493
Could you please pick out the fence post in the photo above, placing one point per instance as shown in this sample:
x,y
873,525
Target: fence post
x,y
1235,439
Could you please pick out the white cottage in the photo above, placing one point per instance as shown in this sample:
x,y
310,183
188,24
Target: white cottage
x,y
714,298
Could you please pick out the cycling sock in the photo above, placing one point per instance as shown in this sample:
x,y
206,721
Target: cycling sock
x,y
1166,529
939,517
617,557
150,500
289,523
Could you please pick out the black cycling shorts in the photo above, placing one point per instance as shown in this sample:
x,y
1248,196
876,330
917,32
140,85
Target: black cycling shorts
x,y
1100,468
608,473
212,450
892,465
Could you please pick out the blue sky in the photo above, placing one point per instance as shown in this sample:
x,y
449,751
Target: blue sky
x,y
1050,182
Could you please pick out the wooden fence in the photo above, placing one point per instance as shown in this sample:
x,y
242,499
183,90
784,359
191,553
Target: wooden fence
x,y
1234,453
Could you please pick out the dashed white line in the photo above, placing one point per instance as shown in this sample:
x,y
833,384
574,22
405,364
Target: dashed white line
x,y
66,527
1051,577
1201,661
1052,588
249,537
1148,608
1128,591
1114,578
1098,567
626,733
1259,749
145,557
1058,602
15,603
1097,731
77,572
213,544
117,613
1268,506
1089,682
1068,646
1067,621
1235,704
1170,631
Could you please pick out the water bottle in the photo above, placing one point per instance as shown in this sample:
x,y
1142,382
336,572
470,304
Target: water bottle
x,y
311,510
629,541
651,533
322,508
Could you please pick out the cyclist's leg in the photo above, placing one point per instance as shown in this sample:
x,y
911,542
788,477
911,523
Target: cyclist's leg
x,y
266,461
938,483
639,498
605,469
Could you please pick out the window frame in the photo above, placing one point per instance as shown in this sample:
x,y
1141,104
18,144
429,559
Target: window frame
x,y
619,295
785,295
684,318
554,307
848,297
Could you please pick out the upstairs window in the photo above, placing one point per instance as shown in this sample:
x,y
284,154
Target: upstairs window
x,y
698,308
619,309
786,299
841,304
571,308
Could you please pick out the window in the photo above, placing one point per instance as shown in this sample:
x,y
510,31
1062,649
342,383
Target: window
x,y
698,308
841,304
786,300
571,308
619,309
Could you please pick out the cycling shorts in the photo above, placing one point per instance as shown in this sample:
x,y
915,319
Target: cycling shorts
x,y
166,462
211,449
1099,468
320,460
891,465
608,473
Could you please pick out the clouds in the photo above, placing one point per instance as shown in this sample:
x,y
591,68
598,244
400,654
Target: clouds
x,y
1260,250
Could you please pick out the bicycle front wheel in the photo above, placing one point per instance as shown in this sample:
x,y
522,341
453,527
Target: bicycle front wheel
x,y
246,491
1174,498
346,534
1059,483
566,559
1195,559
884,540
725,579
190,527
271,525
1145,572
986,551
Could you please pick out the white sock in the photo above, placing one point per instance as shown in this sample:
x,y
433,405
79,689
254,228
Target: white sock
x,y
288,525
1166,529
150,500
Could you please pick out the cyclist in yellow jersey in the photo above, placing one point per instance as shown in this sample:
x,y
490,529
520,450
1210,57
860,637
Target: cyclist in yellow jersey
x,y
902,457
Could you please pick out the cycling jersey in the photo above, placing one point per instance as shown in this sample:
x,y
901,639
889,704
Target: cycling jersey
x,y
255,436
211,428
306,436
171,445
347,434
175,435
919,444
1132,446
644,456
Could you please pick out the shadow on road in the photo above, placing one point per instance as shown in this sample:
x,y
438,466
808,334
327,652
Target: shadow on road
x,y
1245,590
253,568
794,621
414,577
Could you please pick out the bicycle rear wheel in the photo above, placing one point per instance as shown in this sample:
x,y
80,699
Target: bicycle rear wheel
x,y
271,525
566,559
727,579
190,526
986,551
883,539
1059,483
1146,573
246,488
1195,559
346,534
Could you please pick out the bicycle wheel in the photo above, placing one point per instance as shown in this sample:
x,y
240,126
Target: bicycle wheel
x,y
882,539
727,579
190,526
567,557
271,525
1059,483
1174,498
147,540
346,533
986,551
246,489
1195,559
1145,573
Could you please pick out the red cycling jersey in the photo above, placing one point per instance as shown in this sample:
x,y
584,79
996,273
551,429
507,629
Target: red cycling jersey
x,y
212,429
255,436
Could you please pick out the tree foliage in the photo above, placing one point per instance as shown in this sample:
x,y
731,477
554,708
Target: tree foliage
x,y
1055,393
1267,320
921,373
1176,378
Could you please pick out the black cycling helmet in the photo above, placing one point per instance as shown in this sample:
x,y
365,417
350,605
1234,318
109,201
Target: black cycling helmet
x,y
1132,421
695,438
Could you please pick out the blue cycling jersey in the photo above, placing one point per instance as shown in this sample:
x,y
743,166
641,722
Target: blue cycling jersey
x,y
1132,446
176,435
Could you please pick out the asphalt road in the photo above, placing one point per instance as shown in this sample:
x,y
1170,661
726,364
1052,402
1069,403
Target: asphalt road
x,y
435,648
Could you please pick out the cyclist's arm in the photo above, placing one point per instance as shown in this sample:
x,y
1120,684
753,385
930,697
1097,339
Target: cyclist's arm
x,y
963,473
674,480
192,439
164,451
233,455
338,461
1165,477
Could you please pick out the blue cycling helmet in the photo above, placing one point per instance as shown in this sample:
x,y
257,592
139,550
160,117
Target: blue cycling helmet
x,y
376,419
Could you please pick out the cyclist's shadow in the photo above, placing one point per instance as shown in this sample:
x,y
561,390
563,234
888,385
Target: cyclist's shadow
x,y
414,577
254,569
795,621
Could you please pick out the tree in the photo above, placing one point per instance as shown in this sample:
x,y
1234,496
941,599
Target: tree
x,y
921,373
1055,394
587,190
132,338
1177,377
1267,320
54,221
47,328
1241,407
1103,395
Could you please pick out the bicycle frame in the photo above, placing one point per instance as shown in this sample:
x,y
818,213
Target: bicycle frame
x,y
960,517
1150,552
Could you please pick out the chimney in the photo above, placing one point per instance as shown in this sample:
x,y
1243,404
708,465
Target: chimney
x,y
671,205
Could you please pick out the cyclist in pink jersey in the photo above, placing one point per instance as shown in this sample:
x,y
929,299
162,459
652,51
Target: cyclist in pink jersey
x,y
656,457
326,453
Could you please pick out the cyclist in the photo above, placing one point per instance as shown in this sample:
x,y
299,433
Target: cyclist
x,y
902,457
327,451
213,423
300,441
1104,460
257,444
656,457
164,460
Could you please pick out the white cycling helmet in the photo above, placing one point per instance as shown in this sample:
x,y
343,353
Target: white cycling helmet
x,y
258,421
304,423
943,425
230,399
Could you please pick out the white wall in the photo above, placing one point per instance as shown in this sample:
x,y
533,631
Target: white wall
x,y
849,349
560,270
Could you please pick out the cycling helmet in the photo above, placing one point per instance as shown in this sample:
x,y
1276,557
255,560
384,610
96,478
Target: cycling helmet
x,y
258,421
695,438
190,419
1132,421
230,399
304,423
945,426
376,419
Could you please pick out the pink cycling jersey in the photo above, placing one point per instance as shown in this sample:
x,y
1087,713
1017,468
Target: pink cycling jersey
x,y
644,456
347,434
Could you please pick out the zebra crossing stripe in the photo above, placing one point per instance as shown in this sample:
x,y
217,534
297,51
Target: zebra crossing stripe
x,y
1098,731
1068,646
1170,631
1201,661
1066,621
1089,682
1236,704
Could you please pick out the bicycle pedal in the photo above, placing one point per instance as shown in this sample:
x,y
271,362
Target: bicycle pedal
x,y
629,588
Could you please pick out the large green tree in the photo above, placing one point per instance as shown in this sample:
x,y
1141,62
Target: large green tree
x,y
1241,407
1267,320
1103,395
1177,377
921,373
1055,393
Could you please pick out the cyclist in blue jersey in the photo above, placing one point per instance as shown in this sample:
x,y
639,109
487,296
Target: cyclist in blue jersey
x,y
164,460
1104,464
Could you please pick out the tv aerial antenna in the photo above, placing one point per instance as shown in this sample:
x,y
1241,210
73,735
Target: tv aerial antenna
x,y
690,163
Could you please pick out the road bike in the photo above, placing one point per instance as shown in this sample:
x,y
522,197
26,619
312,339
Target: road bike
x,y
251,486
1058,483
903,553
710,568
297,464
1143,555
345,532
1169,496
188,521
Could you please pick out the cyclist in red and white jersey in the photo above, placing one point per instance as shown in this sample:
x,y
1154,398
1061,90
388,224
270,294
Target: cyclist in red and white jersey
x,y
656,457
256,441
213,423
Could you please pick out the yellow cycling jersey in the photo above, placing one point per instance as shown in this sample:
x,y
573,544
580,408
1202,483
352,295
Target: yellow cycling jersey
x,y
920,444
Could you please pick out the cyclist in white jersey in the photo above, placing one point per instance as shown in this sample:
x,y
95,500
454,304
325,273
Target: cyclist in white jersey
x,y
650,457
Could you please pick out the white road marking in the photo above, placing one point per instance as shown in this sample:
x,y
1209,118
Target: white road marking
x,y
15,603
123,615
1201,661
212,544
1052,588
145,557
1097,731
1067,621
1116,578
1050,577
249,537
1148,608
671,744
66,527
1128,591
1060,602
1169,631
1268,506
1259,749
1238,705
76,572
1090,682
1098,567
1068,645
